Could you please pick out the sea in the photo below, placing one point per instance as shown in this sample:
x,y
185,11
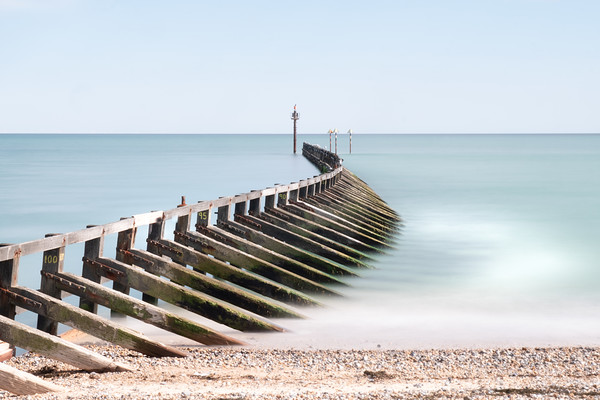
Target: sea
x,y
499,244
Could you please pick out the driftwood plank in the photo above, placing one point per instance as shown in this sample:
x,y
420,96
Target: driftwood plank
x,y
22,383
25,337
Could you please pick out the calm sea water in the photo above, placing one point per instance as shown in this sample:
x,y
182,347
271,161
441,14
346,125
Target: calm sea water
x,y
499,245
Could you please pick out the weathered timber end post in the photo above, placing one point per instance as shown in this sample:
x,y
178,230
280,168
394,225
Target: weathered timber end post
x,y
183,223
9,270
270,201
240,208
203,217
293,194
302,192
316,186
125,241
155,233
8,278
311,190
282,199
93,250
254,208
223,213
53,263
295,117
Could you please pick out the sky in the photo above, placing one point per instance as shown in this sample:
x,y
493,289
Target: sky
x,y
378,66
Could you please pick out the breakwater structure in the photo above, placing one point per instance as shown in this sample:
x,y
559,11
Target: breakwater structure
x,y
267,252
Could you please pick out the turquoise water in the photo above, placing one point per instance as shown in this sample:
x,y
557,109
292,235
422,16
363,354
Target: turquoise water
x,y
499,244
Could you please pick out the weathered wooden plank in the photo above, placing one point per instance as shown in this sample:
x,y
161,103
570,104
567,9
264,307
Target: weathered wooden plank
x,y
219,269
368,228
25,337
249,262
321,230
342,248
191,300
322,205
318,252
22,383
211,286
356,232
360,191
59,311
141,310
359,203
270,256
252,233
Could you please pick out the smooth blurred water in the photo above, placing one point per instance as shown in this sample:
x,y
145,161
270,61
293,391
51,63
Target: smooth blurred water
x,y
499,244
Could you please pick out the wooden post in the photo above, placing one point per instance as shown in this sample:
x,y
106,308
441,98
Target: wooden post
x,y
254,208
155,232
282,199
317,187
293,195
240,208
125,240
8,278
311,189
270,201
53,262
302,192
93,249
223,214
203,217
9,270
183,223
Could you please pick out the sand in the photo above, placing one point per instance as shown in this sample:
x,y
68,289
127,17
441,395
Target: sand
x,y
250,373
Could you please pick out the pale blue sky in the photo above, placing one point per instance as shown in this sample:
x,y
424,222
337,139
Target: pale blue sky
x,y
419,66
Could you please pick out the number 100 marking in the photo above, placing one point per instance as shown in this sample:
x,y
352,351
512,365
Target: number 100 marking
x,y
50,259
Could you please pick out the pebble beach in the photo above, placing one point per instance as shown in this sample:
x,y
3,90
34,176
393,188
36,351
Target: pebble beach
x,y
248,373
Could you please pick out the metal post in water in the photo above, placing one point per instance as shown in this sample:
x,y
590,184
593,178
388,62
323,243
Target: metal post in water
x,y
295,117
350,133
336,132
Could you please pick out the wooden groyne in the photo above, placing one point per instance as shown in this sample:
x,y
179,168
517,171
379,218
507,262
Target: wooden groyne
x,y
267,252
